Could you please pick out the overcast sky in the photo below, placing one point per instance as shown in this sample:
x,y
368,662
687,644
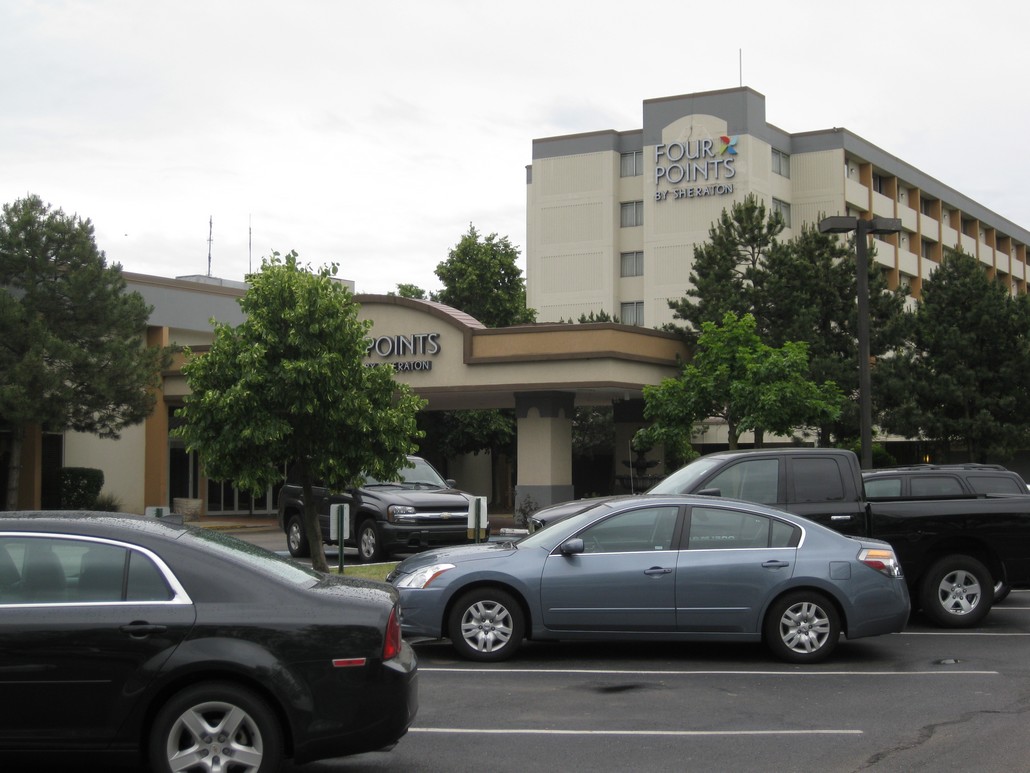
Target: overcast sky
x,y
373,134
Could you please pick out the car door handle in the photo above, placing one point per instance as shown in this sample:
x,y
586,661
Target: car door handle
x,y
840,517
656,570
142,629
775,564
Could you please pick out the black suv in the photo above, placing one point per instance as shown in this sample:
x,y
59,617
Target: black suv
x,y
418,510
943,480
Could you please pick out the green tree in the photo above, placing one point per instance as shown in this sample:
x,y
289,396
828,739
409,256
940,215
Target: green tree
x,y
734,376
963,379
73,354
809,295
729,269
406,290
480,277
290,386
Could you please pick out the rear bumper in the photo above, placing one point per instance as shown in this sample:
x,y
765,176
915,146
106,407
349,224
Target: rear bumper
x,y
885,610
389,704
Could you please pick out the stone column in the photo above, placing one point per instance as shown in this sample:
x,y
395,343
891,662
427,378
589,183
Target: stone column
x,y
544,425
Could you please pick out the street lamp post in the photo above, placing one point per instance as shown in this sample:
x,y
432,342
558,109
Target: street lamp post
x,y
878,225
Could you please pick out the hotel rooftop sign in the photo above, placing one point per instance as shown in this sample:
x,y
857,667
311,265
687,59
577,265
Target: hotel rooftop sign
x,y
695,168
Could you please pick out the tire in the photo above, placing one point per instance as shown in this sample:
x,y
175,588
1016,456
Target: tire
x,y
956,592
297,538
802,627
370,546
487,625
190,731
1001,591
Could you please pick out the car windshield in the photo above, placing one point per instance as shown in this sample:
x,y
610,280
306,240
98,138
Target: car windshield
x,y
419,472
257,558
685,479
557,532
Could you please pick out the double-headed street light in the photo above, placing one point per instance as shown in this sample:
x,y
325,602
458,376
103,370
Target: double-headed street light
x,y
839,224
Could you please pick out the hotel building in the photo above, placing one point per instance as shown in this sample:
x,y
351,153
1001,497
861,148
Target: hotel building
x,y
613,216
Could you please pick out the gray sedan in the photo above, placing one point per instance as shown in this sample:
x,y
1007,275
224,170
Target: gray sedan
x,y
678,568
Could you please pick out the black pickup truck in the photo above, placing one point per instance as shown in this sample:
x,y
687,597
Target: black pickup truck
x,y
942,480
953,550
418,510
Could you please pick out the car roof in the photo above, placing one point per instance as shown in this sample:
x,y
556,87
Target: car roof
x,y
776,450
928,469
91,523
694,500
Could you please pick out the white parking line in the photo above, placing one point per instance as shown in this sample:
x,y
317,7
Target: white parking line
x,y
615,672
528,731
959,633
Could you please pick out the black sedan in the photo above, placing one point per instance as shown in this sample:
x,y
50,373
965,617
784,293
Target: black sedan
x,y
143,639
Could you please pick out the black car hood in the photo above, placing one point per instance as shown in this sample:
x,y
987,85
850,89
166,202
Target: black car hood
x,y
400,494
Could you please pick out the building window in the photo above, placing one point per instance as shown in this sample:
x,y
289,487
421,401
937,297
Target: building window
x,y
780,163
632,264
632,214
926,206
784,209
879,183
632,164
632,313
927,251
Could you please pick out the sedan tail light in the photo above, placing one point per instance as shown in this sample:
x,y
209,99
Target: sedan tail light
x,y
882,560
392,639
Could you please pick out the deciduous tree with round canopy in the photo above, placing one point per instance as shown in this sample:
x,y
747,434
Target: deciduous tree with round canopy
x,y
290,386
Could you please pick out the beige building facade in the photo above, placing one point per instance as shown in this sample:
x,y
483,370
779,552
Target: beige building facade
x,y
542,372
613,216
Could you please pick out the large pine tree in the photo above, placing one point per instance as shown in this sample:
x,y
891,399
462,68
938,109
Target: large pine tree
x,y
809,294
73,354
729,269
962,383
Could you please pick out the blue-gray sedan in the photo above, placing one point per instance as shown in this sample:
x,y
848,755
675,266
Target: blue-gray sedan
x,y
680,568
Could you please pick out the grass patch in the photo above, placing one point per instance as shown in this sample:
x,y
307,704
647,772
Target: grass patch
x,y
366,571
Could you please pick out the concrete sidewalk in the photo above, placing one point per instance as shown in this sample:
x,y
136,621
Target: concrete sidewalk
x,y
237,522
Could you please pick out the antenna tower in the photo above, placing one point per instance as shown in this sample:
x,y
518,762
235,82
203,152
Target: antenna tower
x,y
210,238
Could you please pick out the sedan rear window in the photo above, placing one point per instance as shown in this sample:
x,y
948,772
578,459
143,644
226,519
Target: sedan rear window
x,y
252,556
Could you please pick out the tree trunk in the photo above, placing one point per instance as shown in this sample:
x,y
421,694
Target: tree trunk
x,y
14,467
732,434
312,528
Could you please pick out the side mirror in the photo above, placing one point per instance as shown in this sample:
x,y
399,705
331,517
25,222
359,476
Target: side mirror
x,y
710,492
451,483
572,547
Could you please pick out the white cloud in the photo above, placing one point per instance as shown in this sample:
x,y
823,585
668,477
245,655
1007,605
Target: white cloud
x,y
373,134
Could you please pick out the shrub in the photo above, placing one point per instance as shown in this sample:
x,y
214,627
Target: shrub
x,y
108,503
80,487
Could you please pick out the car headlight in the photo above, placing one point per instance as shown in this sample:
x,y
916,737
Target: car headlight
x,y
421,578
399,510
